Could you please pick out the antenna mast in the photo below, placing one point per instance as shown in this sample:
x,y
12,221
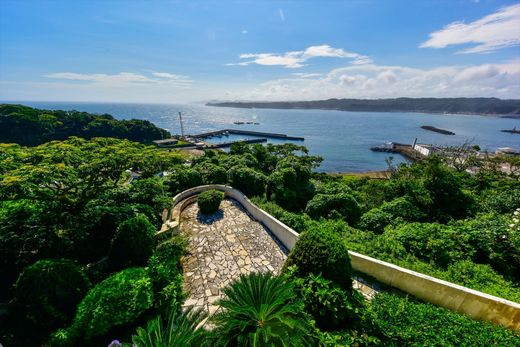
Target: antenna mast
x,y
182,125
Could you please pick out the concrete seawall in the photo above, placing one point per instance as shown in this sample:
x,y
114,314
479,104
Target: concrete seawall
x,y
457,298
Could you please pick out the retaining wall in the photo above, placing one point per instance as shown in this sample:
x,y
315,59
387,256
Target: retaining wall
x,y
457,298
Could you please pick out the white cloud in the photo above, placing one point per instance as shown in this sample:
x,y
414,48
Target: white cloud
x,y
376,81
306,75
125,78
296,59
495,31
281,14
244,31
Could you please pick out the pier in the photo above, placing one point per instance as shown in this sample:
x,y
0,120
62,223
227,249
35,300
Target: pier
x,y
247,132
228,144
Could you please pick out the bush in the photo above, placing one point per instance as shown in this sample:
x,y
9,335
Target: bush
x,y
118,300
328,205
294,220
438,243
375,220
320,251
49,290
401,321
403,208
395,211
209,201
289,184
164,268
331,307
133,243
248,181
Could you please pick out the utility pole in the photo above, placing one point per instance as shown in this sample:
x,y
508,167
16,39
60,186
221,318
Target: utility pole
x,y
182,125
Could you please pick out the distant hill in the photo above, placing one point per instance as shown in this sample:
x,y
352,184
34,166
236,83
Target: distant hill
x,y
30,126
488,106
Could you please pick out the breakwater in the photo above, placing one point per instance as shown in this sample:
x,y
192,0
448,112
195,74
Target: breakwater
x,y
437,130
247,132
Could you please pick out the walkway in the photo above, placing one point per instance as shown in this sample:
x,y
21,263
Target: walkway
x,y
221,247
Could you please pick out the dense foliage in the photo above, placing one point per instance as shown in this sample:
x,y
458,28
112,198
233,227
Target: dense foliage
x,y
86,208
133,243
48,291
319,251
402,321
119,299
31,127
209,201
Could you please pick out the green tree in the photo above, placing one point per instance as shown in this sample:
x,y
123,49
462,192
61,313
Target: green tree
x,y
247,180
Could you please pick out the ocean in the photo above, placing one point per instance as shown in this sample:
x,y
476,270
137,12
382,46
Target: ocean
x,y
342,138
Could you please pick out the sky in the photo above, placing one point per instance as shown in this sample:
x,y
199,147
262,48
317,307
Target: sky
x,y
195,51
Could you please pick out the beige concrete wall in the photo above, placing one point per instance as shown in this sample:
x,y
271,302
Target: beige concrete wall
x,y
460,299
285,234
457,298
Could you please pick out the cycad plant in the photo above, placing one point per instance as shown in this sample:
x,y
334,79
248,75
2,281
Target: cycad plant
x,y
261,310
182,329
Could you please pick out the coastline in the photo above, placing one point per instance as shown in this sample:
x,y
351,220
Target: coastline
x,y
483,114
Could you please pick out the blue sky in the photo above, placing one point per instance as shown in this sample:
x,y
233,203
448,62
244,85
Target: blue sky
x,y
173,51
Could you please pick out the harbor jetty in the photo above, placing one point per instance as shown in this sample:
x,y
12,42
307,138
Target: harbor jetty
x,y
437,130
228,144
224,132
413,152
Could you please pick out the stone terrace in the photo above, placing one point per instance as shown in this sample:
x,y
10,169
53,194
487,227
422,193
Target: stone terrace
x,y
223,246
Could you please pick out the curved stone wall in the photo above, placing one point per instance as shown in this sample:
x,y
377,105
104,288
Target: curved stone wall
x,y
457,298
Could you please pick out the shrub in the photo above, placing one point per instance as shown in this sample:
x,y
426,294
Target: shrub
x,y
394,211
438,243
164,268
324,205
330,306
402,321
375,220
289,184
403,208
209,201
320,251
248,181
49,290
118,300
296,221
133,243
260,310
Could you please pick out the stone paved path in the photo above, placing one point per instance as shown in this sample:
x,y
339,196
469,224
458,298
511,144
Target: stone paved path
x,y
221,247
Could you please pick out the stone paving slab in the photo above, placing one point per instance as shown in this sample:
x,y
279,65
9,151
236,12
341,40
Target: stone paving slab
x,y
221,247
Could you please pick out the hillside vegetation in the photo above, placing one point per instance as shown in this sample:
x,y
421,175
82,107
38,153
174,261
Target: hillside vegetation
x,y
81,267
29,126
492,106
